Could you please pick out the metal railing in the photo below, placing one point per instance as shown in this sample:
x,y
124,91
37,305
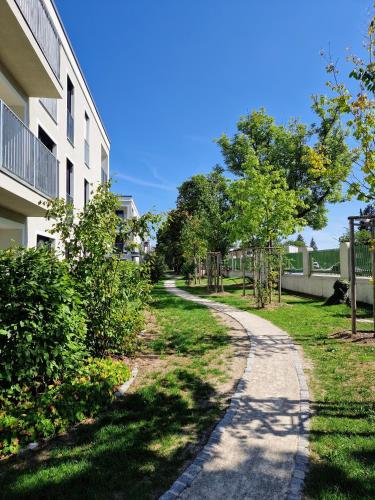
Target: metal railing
x,y
87,153
43,29
325,261
24,156
363,260
70,126
293,263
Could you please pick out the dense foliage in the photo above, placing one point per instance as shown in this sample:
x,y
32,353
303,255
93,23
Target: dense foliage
x,y
64,402
42,323
113,292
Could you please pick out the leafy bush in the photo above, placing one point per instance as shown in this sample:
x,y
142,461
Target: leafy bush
x,y
156,265
42,324
61,405
111,293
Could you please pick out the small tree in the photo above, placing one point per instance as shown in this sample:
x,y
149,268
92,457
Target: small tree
x,y
89,240
264,210
194,244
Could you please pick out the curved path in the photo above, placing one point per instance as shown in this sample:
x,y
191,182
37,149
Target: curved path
x,y
259,450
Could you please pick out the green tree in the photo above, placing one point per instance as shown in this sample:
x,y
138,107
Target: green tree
x,y
89,240
313,159
194,243
357,106
207,197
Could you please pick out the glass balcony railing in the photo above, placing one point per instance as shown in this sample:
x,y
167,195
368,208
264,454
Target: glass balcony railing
x,y
25,157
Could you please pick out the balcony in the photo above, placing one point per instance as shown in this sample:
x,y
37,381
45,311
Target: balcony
x,y
25,158
30,47
41,25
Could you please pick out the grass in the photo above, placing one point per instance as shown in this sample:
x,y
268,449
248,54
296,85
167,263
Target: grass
x,y
343,385
135,450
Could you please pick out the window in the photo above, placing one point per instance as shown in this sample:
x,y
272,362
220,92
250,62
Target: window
x,y
104,162
46,140
69,181
86,192
44,240
70,110
87,141
120,213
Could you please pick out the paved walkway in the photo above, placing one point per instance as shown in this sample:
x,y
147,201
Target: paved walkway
x,y
259,450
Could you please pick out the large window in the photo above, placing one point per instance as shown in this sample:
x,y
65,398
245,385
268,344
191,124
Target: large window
x,y
69,181
70,110
46,140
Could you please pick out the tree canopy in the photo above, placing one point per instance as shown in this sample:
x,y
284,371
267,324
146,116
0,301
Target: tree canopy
x,y
314,160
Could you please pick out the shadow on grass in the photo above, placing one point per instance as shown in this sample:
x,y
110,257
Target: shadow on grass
x,y
133,452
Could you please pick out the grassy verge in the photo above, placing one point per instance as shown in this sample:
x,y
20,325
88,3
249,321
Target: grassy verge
x,y
343,384
136,449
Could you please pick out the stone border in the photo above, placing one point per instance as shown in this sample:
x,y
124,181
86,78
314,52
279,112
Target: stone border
x,y
301,459
124,387
118,394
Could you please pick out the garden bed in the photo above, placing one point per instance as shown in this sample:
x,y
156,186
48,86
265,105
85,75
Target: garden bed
x,y
188,368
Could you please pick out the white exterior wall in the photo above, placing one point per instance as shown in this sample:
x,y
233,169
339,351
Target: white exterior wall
x,y
37,116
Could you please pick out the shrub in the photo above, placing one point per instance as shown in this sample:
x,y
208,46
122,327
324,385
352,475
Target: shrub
x,y
61,405
42,325
90,243
156,265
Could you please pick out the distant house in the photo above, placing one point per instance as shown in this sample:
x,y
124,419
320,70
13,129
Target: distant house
x,y
128,210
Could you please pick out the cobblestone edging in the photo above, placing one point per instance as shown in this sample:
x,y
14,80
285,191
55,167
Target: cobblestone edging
x,y
301,459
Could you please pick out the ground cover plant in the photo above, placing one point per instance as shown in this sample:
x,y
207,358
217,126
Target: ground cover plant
x,y
137,448
342,379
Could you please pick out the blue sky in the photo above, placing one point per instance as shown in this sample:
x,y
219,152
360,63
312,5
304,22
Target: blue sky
x,y
170,76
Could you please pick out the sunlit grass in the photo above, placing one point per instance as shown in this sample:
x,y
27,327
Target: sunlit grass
x,y
135,451
343,386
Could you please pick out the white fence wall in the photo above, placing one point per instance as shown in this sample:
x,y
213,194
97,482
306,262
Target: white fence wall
x,y
321,285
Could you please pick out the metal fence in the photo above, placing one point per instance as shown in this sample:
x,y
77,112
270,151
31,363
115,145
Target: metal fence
x,y
25,156
363,260
293,262
325,261
43,29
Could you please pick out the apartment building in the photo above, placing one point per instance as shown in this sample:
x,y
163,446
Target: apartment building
x,y
128,210
52,140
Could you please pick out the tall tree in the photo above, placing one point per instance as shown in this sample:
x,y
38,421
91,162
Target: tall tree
x,y
313,159
207,197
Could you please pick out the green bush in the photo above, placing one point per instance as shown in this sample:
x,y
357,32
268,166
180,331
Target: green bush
x,y
156,265
42,324
60,406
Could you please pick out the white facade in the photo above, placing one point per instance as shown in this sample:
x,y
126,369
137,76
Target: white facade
x,y
128,210
52,140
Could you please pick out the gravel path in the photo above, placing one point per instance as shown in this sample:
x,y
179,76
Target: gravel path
x,y
259,450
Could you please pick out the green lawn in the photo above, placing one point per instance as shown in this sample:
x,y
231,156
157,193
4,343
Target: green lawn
x,y
135,450
343,385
